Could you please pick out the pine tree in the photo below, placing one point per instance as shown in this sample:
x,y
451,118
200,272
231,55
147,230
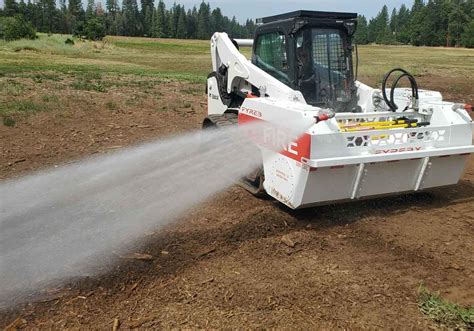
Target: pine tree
x,y
181,29
383,33
250,28
427,30
90,11
204,26
433,28
49,18
394,24
130,18
161,24
170,28
75,17
75,7
99,10
467,38
403,25
111,23
11,8
361,36
234,30
216,20
148,21
173,19
22,8
372,31
457,21
144,5
416,22
112,7
153,29
191,23
121,24
33,14
61,12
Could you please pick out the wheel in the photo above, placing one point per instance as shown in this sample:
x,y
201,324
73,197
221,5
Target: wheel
x,y
218,121
253,182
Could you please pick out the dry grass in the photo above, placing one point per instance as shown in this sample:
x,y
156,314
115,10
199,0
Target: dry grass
x,y
142,64
456,63
190,59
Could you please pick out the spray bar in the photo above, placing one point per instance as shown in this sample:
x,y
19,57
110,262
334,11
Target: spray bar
x,y
395,124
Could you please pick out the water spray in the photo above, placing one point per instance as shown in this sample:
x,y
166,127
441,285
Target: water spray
x,y
65,222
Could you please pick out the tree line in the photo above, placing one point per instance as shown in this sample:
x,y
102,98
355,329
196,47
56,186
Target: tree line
x,y
447,23
129,19
427,23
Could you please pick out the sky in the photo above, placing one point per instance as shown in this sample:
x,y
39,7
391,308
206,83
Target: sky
x,y
243,9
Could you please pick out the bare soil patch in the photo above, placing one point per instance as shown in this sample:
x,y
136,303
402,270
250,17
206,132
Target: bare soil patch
x,y
355,265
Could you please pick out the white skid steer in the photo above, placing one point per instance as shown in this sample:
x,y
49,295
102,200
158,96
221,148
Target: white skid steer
x,y
364,142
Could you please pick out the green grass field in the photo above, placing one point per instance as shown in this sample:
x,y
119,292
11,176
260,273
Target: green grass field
x,y
190,59
142,63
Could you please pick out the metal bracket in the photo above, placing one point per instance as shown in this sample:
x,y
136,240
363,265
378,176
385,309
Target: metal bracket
x,y
421,174
360,174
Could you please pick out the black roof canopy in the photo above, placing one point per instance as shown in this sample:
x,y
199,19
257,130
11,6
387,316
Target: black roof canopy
x,y
308,14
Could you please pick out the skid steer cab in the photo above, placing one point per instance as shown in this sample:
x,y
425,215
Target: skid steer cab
x,y
362,142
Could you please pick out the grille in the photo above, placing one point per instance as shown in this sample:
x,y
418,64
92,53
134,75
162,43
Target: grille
x,y
271,50
328,51
399,138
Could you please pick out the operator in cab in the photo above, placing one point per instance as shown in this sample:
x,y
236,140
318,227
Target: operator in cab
x,y
306,75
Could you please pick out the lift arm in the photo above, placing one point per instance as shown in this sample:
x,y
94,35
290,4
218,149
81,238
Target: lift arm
x,y
224,52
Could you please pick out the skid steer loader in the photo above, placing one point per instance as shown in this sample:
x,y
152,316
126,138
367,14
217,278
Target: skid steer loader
x,y
364,142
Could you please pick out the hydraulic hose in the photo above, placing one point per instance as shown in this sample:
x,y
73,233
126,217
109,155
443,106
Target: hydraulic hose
x,y
414,88
394,85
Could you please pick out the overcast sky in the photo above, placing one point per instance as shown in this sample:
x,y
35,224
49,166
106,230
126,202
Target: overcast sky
x,y
243,9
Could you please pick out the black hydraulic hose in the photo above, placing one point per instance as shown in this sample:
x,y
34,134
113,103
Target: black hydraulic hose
x,y
414,86
394,86
384,93
357,62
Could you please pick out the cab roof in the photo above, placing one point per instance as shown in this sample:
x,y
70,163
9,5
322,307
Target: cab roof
x,y
308,14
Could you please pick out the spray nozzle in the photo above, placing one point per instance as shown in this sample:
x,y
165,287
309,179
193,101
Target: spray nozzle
x,y
324,116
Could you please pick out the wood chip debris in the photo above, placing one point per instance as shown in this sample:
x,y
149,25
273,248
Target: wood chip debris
x,y
288,241
16,324
138,256
210,280
134,286
206,252
116,324
16,161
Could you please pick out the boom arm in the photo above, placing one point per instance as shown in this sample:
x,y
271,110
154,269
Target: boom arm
x,y
224,52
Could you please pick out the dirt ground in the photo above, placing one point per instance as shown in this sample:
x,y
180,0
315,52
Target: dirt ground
x,y
224,264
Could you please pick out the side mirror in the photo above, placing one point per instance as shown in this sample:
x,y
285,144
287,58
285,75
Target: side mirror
x,y
350,27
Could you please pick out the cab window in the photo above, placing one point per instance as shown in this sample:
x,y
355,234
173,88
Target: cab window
x,y
323,66
270,55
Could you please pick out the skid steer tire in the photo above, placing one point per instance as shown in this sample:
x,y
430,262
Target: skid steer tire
x,y
252,182
218,121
